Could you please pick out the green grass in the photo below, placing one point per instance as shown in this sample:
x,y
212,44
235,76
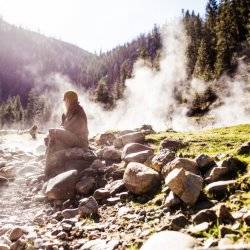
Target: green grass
x,y
213,141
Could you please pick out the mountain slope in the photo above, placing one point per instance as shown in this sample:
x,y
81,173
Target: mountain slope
x,y
26,57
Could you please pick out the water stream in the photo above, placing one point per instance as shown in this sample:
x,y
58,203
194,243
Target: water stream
x,y
24,157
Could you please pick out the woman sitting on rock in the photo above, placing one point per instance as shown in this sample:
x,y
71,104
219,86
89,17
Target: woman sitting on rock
x,y
74,132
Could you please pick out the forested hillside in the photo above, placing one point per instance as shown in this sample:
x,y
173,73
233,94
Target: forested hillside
x,y
28,58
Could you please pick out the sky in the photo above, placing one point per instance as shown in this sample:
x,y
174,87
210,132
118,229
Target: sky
x,y
94,25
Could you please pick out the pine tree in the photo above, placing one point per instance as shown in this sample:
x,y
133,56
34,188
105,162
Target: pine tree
x,y
31,109
202,68
103,94
8,114
193,24
118,90
210,31
242,14
18,109
227,37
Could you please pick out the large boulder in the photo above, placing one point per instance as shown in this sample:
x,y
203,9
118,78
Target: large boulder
x,y
233,165
68,159
215,174
161,159
139,178
134,148
122,140
220,188
169,240
136,152
62,186
184,163
226,168
141,157
110,154
185,184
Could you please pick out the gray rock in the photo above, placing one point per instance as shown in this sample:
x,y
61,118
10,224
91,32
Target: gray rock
x,y
88,206
195,229
133,137
111,154
178,222
19,244
101,194
99,244
3,164
116,171
8,172
139,178
113,200
62,235
215,174
70,213
172,200
219,188
3,180
140,157
134,148
172,144
106,138
206,215
187,164
78,154
224,230
224,215
233,165
205,161
66,226
98,165
244,148
68,159
118,143
137,137
186,185
16,233
169,240
115,187
85,185
165,156
62,186
4,246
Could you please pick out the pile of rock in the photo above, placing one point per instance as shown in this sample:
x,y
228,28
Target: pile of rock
x,y
93,192
124,163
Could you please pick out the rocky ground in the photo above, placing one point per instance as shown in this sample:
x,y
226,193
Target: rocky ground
x,y
133,189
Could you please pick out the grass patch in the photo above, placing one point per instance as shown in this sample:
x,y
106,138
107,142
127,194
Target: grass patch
x,y
212,141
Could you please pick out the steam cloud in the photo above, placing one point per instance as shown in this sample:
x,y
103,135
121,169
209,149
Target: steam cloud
x,y
150,94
